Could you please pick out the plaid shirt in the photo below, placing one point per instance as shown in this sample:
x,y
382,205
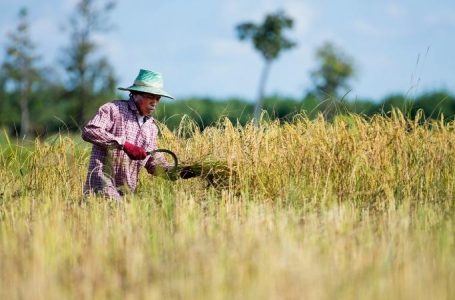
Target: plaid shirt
x,y
110,170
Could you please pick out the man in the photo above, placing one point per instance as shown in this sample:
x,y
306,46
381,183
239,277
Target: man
x,y
122,132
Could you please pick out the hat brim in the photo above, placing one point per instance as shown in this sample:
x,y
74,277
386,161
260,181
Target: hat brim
x,y
147,89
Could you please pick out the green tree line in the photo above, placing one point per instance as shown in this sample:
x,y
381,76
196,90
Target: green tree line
x,y
207,111
38,100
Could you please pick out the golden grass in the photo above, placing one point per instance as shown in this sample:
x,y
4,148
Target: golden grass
x,y
356,208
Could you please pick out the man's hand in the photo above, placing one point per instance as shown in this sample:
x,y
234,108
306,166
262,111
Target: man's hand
x,y
134,152
187,173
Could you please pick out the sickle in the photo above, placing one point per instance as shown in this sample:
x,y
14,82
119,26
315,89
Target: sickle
x,y
174,157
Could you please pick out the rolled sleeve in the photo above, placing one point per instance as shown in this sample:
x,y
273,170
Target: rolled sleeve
x,y
98,130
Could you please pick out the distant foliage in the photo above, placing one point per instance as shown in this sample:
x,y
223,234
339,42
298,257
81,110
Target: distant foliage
x,y
207,111
335,69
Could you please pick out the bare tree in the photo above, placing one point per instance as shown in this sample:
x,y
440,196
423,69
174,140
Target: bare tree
x,y
20,68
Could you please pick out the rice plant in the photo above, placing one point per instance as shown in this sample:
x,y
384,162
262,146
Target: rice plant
x,y
354,208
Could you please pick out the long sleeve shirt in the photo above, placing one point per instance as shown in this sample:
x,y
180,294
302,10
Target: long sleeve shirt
x,y
111,172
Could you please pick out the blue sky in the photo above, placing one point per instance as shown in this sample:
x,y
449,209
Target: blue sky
x,y
398,46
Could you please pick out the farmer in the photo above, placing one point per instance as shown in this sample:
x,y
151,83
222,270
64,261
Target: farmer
x,y
122,132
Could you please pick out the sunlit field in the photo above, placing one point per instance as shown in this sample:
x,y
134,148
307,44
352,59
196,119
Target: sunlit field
x,y
351,209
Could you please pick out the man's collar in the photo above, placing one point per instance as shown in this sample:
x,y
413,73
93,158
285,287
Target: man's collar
x,y
132,105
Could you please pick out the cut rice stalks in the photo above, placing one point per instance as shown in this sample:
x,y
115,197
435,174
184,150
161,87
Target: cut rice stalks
x,y
218,174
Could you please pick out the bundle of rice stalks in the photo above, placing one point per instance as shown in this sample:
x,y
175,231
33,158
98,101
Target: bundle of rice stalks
x,y
217,173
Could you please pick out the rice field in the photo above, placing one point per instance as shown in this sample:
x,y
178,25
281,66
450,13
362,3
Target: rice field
x,y
351,209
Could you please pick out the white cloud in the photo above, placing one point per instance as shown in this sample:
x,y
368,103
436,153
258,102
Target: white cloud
x,y
381,30
366,28
108,45
45,30
395,10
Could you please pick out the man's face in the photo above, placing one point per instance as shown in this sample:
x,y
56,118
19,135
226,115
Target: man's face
x,y
147,103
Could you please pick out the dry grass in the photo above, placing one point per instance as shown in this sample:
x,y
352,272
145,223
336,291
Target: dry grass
x,y
351,209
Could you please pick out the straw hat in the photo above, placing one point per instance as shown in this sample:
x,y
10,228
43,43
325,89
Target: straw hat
x,y
148,82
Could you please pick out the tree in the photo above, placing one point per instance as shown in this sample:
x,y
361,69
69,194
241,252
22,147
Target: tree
x,y
20,70
90,77
4,110
333,73
268,39
435,104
